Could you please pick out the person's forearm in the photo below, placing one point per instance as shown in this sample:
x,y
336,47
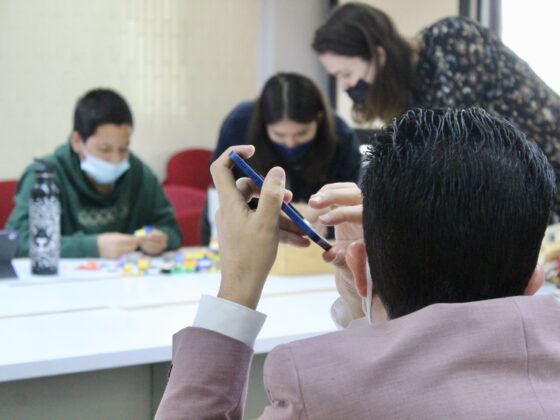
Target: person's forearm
x,y
211,386
246,296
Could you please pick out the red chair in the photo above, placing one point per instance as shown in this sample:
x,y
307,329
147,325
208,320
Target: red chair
x,y
189,223
190,168
7,192
188,203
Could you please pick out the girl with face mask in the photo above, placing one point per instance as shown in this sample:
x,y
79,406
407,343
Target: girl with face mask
x,y
291,126
453,63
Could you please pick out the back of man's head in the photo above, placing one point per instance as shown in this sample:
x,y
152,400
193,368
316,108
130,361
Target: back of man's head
x,y
97,107
455,207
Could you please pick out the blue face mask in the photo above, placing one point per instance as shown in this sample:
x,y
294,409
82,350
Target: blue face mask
x,y
292,154
101,171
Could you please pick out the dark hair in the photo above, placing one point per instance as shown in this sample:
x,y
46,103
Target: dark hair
x,y
456,203
98,107
356,30
290,96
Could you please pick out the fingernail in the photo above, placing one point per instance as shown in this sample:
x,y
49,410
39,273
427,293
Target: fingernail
x,y
317,198
325,218
276,172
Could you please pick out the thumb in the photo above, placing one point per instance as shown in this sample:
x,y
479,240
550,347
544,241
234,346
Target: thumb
x,y
272,193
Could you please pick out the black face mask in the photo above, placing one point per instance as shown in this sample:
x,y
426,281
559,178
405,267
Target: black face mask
x,y
359,92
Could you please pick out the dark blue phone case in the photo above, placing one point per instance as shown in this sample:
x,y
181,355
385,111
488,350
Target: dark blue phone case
x,y
287,208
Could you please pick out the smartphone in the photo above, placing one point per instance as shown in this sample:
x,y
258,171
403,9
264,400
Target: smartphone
x,y
287,208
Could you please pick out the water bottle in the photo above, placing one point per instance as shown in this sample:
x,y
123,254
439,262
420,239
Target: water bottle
x,y
44,222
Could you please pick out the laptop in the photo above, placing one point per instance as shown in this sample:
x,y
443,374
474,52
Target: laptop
x,y
8,246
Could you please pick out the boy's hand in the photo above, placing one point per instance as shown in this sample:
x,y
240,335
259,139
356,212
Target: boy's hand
x,y
115,245
154,243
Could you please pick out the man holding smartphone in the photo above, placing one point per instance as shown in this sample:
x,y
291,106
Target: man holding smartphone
x,y
436,269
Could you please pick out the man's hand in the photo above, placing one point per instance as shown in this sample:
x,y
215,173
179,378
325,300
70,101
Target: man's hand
x,y
115,245
154,243
249,239
344,202
312,216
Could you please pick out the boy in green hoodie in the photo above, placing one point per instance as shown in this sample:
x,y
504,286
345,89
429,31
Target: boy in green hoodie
x,y
106,192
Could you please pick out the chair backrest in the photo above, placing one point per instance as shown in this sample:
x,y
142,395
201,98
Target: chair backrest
x,y
189,223
7,192
189,167
187,203
184,198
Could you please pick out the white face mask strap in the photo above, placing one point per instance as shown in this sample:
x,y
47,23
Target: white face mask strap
x,y
366,301
369,297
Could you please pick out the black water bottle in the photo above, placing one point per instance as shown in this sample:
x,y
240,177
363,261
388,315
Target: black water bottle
x,y
44,222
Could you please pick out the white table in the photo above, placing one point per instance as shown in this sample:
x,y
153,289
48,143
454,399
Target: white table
x,y
92,344
81,321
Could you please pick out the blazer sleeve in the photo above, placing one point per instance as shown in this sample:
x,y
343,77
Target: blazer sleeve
x,y
208,377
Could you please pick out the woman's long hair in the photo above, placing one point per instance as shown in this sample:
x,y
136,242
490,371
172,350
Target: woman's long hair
x,y
290,96
356,30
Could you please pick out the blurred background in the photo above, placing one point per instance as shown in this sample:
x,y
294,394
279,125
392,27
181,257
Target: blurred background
x,y
183,64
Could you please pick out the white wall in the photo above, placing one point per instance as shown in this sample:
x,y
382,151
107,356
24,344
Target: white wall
x,y
181,64
541,29
286,32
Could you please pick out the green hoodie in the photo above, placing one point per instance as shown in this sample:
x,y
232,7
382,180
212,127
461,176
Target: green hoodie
x,y
137,200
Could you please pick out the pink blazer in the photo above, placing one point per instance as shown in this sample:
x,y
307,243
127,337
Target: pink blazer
x,y
494,359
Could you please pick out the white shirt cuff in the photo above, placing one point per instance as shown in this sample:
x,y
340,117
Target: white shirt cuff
x,y
229,318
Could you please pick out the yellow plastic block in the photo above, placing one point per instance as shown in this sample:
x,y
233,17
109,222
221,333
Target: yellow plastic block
x,y
127,269
143,264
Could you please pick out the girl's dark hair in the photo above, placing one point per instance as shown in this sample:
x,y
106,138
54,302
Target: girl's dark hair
x,y
291,96
356,30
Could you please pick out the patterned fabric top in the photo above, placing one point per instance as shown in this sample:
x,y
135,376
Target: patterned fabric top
x,y
463,64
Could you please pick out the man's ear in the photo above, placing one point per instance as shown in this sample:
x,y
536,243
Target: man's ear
x,y
75,141
356,259
535,282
